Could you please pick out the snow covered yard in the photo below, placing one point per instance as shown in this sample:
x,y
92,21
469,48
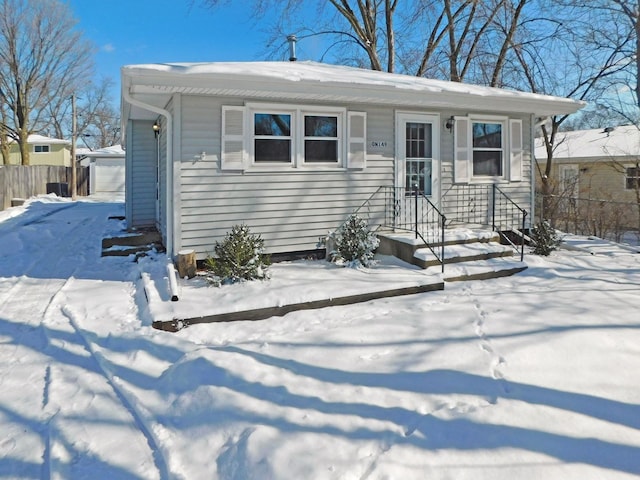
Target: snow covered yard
x,y
528,377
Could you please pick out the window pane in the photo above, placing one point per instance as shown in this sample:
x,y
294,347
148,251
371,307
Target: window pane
x,y
633,178
418,140
277,125
315,126
418,172
321,151
267,150
487,135
487,163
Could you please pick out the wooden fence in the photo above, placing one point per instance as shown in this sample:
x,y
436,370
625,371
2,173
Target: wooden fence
x,y
19,181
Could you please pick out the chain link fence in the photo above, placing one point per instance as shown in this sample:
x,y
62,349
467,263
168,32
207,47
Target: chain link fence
x,y
609,219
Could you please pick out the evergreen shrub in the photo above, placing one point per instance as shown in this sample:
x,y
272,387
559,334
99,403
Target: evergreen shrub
x,y
545,238
354,243
239,257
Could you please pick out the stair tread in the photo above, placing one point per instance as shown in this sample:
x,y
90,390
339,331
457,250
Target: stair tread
x,y
450,236
464,250
489,268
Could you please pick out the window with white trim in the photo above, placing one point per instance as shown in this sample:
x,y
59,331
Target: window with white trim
x,y
488,148
632,178
321,139
41,149
292,136
297,136
272,137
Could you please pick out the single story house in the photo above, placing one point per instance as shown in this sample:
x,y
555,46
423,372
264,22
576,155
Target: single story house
x,y
597,164
43,151
106,169
292,148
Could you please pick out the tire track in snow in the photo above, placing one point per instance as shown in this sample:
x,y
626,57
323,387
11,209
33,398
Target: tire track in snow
x,y
45,310
142,421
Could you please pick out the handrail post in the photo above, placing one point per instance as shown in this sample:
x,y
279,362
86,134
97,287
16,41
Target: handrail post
x,y
444,220
524,218
416,210
493,208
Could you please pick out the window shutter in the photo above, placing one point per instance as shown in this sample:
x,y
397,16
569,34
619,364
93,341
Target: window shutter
x,y
357,141
233,151
462,154
516,151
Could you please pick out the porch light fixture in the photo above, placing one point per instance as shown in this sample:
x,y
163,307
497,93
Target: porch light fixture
x,y
450,123
156,129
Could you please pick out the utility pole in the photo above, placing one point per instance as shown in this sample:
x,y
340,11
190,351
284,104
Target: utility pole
x,y
74,180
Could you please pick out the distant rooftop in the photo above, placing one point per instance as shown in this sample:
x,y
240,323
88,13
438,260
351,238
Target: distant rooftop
x,y
596,143
35,138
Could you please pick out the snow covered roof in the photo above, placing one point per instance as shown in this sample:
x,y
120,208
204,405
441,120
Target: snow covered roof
x,y
112,151
622,141
41,139
323,82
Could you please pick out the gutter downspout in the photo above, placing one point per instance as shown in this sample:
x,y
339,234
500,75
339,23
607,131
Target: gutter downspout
x,y
169,159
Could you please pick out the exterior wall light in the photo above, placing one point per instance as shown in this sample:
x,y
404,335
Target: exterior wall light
x,y
451,121
156,129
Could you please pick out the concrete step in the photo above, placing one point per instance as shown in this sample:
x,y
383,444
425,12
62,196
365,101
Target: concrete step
x,y
132,243
483,269
465,252
404,245
132,239
453,236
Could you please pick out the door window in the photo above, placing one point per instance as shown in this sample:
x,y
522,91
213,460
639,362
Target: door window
x,y
418,157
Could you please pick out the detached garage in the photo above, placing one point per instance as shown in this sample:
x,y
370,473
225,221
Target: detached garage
x,y
106,170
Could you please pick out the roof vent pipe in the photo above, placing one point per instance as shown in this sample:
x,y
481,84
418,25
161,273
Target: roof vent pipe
x,y
292,39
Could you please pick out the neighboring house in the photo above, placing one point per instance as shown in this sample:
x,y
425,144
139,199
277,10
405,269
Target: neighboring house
x,y
43,151
106,169
292,148
597,164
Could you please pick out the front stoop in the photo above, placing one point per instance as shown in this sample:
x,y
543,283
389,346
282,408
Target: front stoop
x,y
137,243
468,254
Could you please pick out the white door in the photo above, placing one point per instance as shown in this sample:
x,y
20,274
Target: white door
x,y
417,162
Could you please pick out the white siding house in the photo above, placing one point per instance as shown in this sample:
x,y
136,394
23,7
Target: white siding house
x,y
292,148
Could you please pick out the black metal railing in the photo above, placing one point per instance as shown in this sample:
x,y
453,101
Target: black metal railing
x,y
488,206
482,205
509,220
412,211
397,208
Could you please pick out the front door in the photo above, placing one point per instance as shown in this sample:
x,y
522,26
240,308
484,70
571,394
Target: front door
x,y
417,162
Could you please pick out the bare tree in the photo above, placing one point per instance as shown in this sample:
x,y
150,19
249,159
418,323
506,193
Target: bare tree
x,y
622,19
42,58
97,119
457,40
583,70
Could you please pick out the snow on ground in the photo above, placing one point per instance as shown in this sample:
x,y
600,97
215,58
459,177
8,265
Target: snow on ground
x,y
528,377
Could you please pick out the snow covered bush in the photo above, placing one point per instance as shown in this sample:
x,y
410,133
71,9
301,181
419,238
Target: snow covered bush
x,y
545,238
239,257
354,244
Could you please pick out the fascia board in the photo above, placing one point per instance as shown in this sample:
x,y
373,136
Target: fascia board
x,y
244,85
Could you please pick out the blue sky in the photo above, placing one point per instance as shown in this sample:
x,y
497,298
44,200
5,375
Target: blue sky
x,y
129,32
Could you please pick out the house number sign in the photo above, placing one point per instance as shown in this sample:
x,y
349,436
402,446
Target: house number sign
x,y
378,144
